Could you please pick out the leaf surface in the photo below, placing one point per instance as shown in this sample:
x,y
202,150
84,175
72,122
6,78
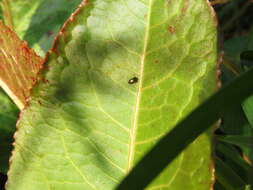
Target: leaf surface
x,y
37,21
121,75
19,66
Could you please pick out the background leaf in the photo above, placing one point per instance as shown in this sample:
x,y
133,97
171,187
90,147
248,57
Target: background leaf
x,y
8,117
6,106
228,178
38,21
244,141
25,18
229,155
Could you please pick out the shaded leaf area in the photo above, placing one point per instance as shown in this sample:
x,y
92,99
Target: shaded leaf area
x,y
38,21
92,120
247,105
226,176
217,104
236,125
8,117
243,141
19,66
235,19
236,131
237,122
3,179
236,32
230,157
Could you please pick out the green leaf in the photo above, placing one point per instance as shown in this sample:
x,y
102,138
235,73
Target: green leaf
x,y
19,66
248,109
121,75
38,21
247,187
247,61
8,117
235,161
242,141
227,177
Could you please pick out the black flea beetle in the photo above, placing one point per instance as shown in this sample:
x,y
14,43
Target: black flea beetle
x,y
133,80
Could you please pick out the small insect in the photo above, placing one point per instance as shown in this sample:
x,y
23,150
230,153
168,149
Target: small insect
x,y
133,80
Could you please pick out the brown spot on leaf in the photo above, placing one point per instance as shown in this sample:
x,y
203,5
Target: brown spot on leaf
x,y
185,7
33,79
171,29
25,48
45,80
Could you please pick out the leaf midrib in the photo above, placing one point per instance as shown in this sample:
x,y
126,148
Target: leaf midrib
x,y
138,97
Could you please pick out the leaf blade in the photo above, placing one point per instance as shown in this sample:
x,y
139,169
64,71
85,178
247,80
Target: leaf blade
x,y
89,93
